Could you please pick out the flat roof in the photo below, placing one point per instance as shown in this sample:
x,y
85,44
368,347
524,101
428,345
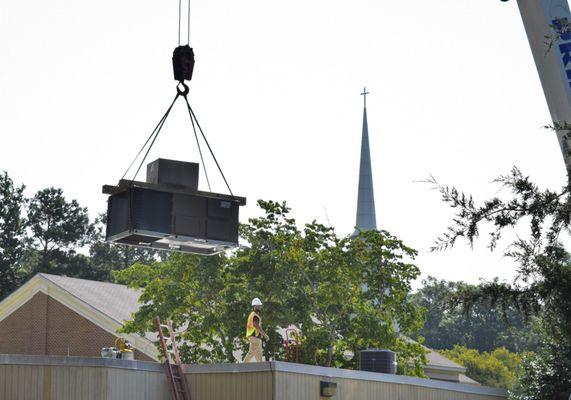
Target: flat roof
x,y
271,366
325,372
63,361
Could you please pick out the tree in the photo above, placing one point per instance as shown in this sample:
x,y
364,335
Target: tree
x,y
58,227
482,327
320,287
203,296
546,373
497,368
543,280
52,237
342,294
12,234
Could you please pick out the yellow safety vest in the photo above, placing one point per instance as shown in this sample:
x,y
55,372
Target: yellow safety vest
x,y
250,328
122,347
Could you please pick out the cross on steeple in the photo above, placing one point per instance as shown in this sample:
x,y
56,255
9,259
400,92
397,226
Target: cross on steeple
x,y
364,94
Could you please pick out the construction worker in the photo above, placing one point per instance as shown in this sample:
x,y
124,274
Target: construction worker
x,y
124,348
255,333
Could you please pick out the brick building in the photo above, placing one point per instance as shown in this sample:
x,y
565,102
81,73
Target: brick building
x,y
61,316
56,315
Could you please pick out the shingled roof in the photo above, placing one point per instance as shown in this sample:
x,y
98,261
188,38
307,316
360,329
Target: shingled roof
x,y
437,359
105,304
116,301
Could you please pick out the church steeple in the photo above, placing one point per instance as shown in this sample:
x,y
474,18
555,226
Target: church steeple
x,y
366,218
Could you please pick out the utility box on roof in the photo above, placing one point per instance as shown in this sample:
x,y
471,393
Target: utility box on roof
x,y
168,212
378,360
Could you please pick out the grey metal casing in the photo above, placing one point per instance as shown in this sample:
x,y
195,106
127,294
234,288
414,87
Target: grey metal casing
x,y
173,173
378,360
172,221
169,213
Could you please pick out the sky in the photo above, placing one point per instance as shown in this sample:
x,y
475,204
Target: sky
x,y
454,94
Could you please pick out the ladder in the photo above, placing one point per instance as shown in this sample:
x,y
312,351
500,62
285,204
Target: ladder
x,y
289,342
173,366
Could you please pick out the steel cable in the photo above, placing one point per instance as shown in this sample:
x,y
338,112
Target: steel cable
x,y
198,145
150,136
193,115
156,135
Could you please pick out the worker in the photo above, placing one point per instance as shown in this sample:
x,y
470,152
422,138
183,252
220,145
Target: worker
x,y
255,333
123,347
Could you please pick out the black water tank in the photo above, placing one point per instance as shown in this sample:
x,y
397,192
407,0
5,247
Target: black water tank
x,y
378,360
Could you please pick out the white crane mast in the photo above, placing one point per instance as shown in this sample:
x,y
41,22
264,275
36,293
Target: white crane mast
x,y
546,24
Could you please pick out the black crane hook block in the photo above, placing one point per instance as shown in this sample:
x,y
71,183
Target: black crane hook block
x,y
183,63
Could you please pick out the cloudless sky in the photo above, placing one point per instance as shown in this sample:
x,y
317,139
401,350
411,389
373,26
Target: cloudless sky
x,y
454,94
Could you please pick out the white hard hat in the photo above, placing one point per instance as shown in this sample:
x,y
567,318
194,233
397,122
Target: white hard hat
x,y
256,302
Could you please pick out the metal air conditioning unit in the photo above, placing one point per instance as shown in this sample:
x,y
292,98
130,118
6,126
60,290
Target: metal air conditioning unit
x,y
378,360
168,212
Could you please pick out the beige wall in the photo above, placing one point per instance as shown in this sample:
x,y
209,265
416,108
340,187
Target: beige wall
x,y
33,382
231,386
291,386
288,381
74,378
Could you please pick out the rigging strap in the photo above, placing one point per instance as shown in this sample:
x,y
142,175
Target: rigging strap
x,y
199,149
156,135
183,65
181,92
193,115
158,126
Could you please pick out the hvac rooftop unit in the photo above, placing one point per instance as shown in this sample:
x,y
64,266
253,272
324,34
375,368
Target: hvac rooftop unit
x,y
169,212
378,360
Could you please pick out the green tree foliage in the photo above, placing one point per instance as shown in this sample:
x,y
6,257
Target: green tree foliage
x,y
12,233
343,294
98,263
203,296
497,368
480,327
55,238
58,228
546,373
543,281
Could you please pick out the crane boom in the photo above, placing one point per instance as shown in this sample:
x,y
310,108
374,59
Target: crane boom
x,y
546,21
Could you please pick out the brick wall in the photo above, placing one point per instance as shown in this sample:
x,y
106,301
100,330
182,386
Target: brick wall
x,y
24,331
44,326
